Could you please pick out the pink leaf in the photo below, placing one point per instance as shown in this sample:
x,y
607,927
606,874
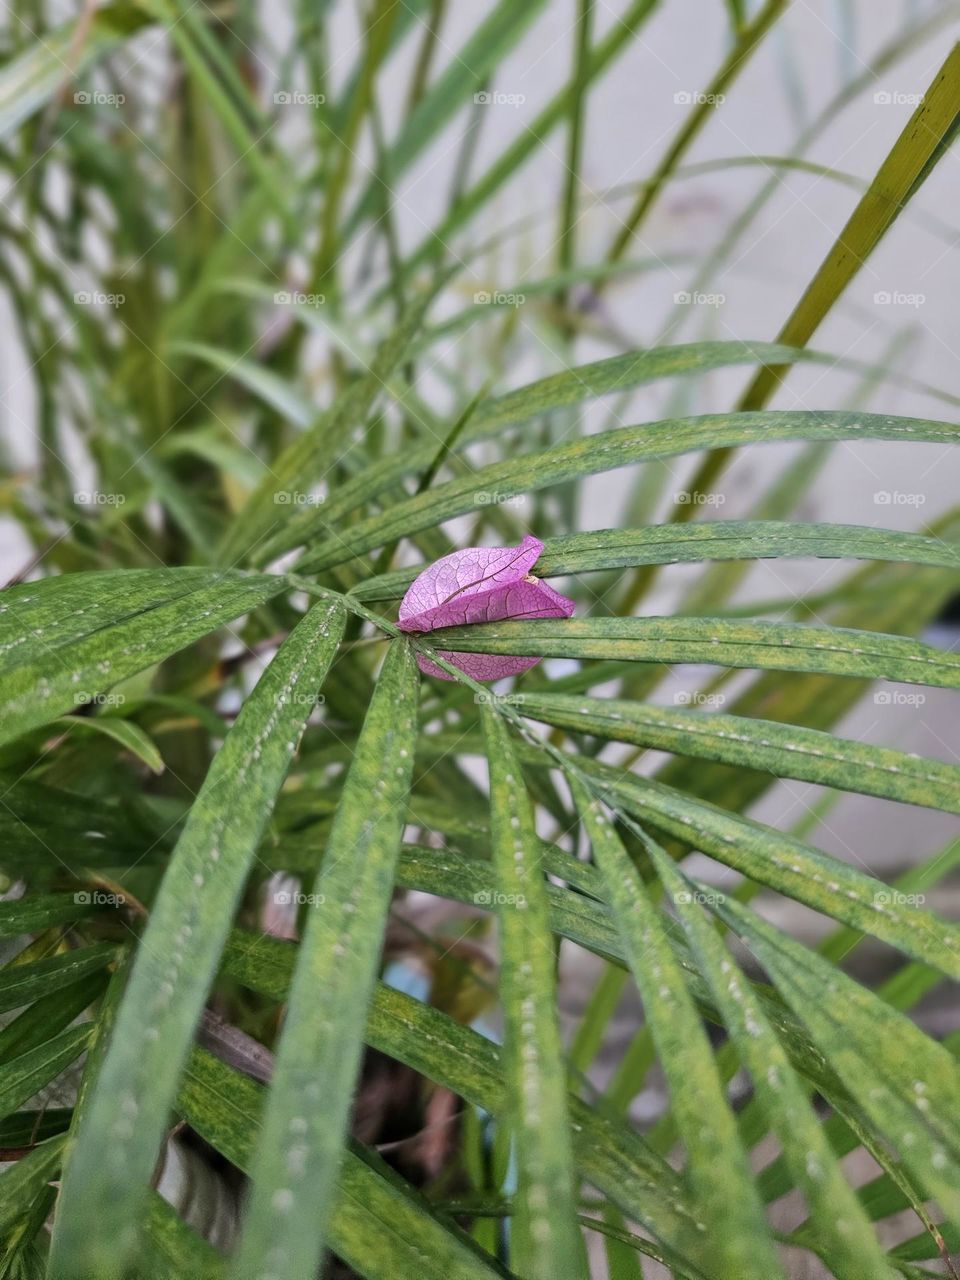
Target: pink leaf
x,y
481,584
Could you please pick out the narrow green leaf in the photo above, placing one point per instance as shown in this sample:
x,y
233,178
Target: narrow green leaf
x,y
38,911
23,1183
116,1146
896,181
21,984
786,751
614,1159
721,642
304,463
534,134
303,1134
467,71
748,40
616,374
739,1237
23,1076
608,451
447,874
844,1228
603,549
129,735
31,80
788,865
547,1238
906,1083
378,1226
179,1250
275,392
24,1128
50,679
37,618
50,1015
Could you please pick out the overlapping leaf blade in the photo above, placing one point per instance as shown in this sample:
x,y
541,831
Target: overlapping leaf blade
x,y
547,1237
302,1142
844,1227
764,645
786,751
608,451
108,1172
46,676
725,1195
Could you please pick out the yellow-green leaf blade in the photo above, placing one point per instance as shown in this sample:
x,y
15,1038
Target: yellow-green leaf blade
x,y
786,751
774,646
853,1247
547,1240
300,1151
725,1195
116,1147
